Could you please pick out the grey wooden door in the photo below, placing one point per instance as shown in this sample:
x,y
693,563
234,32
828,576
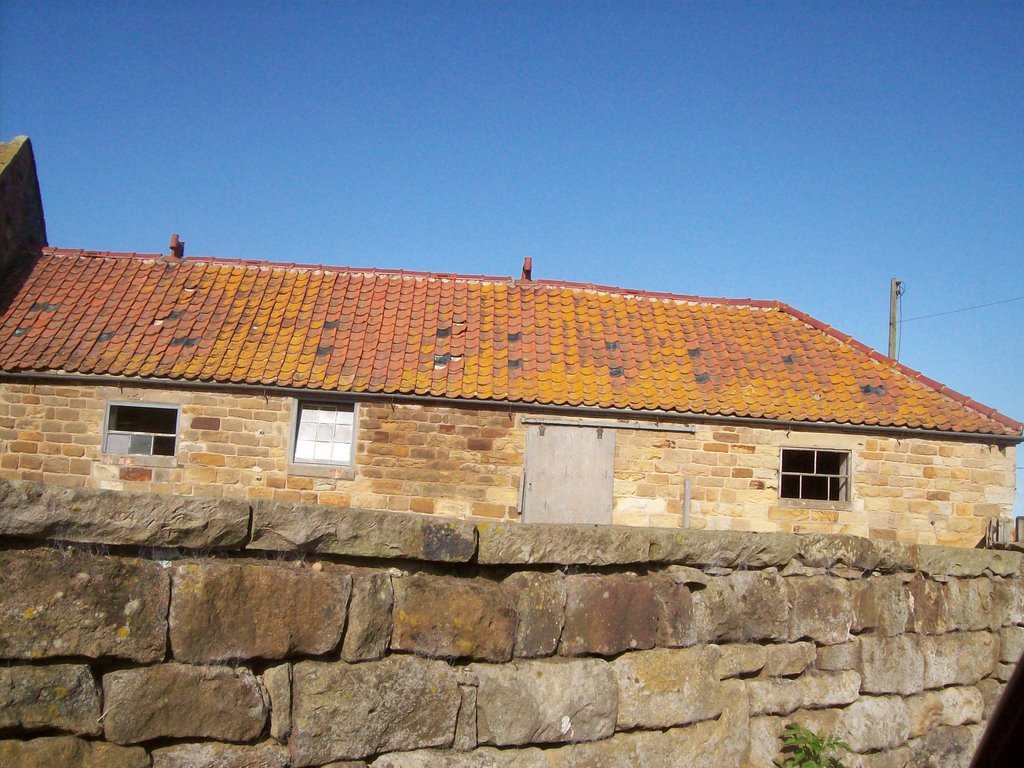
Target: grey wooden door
x,y
568,476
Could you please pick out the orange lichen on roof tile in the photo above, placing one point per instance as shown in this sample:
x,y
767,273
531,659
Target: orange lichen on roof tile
x,y
472,337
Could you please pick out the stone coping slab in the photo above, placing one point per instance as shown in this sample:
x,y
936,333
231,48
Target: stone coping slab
x,y
40,512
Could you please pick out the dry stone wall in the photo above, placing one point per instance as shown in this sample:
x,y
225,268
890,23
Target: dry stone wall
x,y
170,632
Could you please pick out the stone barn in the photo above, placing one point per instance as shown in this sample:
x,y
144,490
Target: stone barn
x,y
472,396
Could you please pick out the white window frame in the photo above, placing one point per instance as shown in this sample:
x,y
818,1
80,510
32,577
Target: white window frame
x,y
844,478
108,430
320,466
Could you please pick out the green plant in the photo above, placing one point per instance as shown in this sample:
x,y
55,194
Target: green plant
x,y
803,748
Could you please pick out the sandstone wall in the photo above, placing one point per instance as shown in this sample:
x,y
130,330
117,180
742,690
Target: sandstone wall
x,y
468,462
22,228
142,630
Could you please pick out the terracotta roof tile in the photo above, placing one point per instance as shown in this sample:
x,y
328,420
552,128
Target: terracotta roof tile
x,y
467,337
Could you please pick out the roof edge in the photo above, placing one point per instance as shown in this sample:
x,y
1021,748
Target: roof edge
x,y
911,373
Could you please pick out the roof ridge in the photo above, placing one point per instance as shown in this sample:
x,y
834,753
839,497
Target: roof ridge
x,y
906,370
599,287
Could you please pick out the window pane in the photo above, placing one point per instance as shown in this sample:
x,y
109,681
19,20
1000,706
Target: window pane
x,y
163,445
831,463
118,443
797,461
814,487
324,434
140,418
790,487
141,445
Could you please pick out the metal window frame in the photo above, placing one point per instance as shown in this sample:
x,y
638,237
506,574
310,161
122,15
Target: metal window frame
x,y
176,407
297,465
847,475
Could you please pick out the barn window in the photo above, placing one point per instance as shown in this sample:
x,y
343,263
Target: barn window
x,y
141,430
324,433
810,473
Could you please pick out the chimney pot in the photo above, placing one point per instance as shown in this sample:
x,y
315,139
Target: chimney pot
x,y
177,247
527,269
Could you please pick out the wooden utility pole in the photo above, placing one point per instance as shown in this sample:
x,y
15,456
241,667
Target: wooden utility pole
x,y
894,298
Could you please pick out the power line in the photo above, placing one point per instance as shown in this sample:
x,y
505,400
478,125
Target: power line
x,y
963,309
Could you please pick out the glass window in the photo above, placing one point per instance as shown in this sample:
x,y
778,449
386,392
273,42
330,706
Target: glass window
x,y
323,433
141,430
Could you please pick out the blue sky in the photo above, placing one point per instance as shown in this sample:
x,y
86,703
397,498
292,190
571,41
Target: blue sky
x,y
806,152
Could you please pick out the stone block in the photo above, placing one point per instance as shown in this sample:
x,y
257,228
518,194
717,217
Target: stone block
x,y
788,659
1003,672
452,617
835,658
66,603
181,701
667,687
485,757
223,611
960,705
970,605
815,690
883,606
360,532
740,660
606,615
959,658
900,757
543,544
677,624
539,600
70,752
1010,593
724,549
349,711
466,730
265,755
929,611
829,551
946,747
967,563
368,630
717,743
60,697
36,511
822,609
891,665
876,722
744,606
766,733
278,683
1011,644
990,691
544,701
